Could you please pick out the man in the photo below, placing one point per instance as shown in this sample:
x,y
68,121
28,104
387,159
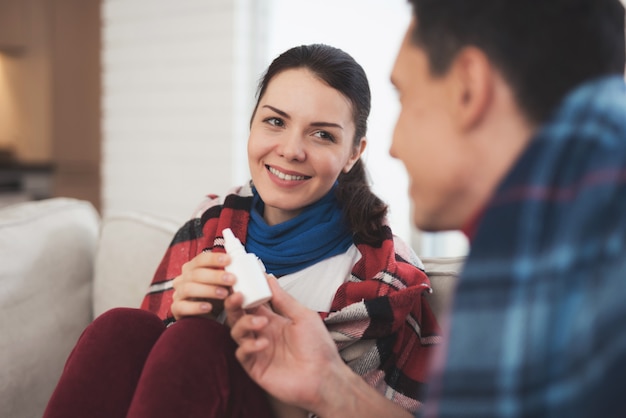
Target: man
x,y
512,128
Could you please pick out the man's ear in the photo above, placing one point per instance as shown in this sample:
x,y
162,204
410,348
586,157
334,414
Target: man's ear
x,y
356,154
473,88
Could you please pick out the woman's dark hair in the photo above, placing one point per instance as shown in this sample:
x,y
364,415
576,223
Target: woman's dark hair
x,y
543,48
364,211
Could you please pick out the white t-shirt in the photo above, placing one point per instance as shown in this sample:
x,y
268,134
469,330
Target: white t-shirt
x,y
316,285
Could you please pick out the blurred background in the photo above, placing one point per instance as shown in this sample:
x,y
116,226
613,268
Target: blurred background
x,y
144,104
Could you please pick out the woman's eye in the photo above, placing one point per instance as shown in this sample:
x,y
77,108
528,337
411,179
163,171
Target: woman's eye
x,y
274,121
325,135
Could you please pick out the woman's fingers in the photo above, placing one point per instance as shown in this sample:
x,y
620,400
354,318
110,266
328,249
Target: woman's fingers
x,y
208,259
184,308
199,281
195,290
206,275
202,286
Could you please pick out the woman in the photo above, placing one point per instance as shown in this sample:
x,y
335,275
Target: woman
x,y
309,215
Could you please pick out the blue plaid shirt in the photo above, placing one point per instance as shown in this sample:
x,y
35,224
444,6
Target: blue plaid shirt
x,y
538,326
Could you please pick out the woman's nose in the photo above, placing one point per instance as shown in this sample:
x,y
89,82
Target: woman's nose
x,y
292,148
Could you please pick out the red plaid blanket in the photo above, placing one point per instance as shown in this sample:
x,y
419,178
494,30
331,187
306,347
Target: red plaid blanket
x,y
382,324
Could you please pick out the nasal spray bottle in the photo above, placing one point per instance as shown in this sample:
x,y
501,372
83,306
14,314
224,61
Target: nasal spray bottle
x,y
248,269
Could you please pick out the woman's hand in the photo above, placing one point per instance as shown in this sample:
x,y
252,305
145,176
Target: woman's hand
x,y
202,286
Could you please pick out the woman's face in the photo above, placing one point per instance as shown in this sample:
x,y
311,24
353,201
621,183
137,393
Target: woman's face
x,y
301,138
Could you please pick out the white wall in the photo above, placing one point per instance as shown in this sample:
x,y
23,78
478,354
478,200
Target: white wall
x,y
167,103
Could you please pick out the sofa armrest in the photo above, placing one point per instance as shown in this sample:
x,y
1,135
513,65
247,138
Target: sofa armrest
x,y
46,249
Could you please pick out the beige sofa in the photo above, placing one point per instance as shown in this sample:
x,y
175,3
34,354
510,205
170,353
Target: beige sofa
x,y
61,265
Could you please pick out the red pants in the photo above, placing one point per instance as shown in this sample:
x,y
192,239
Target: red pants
x,y
127,364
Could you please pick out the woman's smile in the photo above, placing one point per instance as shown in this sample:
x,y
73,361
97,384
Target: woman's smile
x,y
284,175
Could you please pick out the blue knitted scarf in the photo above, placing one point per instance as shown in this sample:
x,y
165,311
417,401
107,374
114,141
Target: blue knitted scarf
x,y
319,232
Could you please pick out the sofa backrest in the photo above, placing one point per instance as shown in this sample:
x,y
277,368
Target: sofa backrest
x,y
130,248
443,274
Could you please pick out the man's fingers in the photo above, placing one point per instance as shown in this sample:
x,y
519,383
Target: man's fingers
x,y
233,309
233,302
282,302
246,351
247,326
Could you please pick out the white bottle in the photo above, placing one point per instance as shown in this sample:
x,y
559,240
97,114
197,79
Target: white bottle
x,y
248,270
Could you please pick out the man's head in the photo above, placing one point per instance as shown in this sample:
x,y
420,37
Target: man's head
x,y
476,78
543,48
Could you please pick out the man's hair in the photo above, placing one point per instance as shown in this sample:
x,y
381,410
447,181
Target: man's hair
x,y
543,48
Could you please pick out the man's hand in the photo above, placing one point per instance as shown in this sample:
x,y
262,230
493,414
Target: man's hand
x,y
289,353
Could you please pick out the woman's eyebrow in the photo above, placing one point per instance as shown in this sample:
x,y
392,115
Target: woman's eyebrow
x,y
326,125
315,124
280,112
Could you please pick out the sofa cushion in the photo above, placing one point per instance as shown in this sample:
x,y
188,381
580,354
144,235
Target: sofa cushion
x,y
47,249
130,249
443,273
